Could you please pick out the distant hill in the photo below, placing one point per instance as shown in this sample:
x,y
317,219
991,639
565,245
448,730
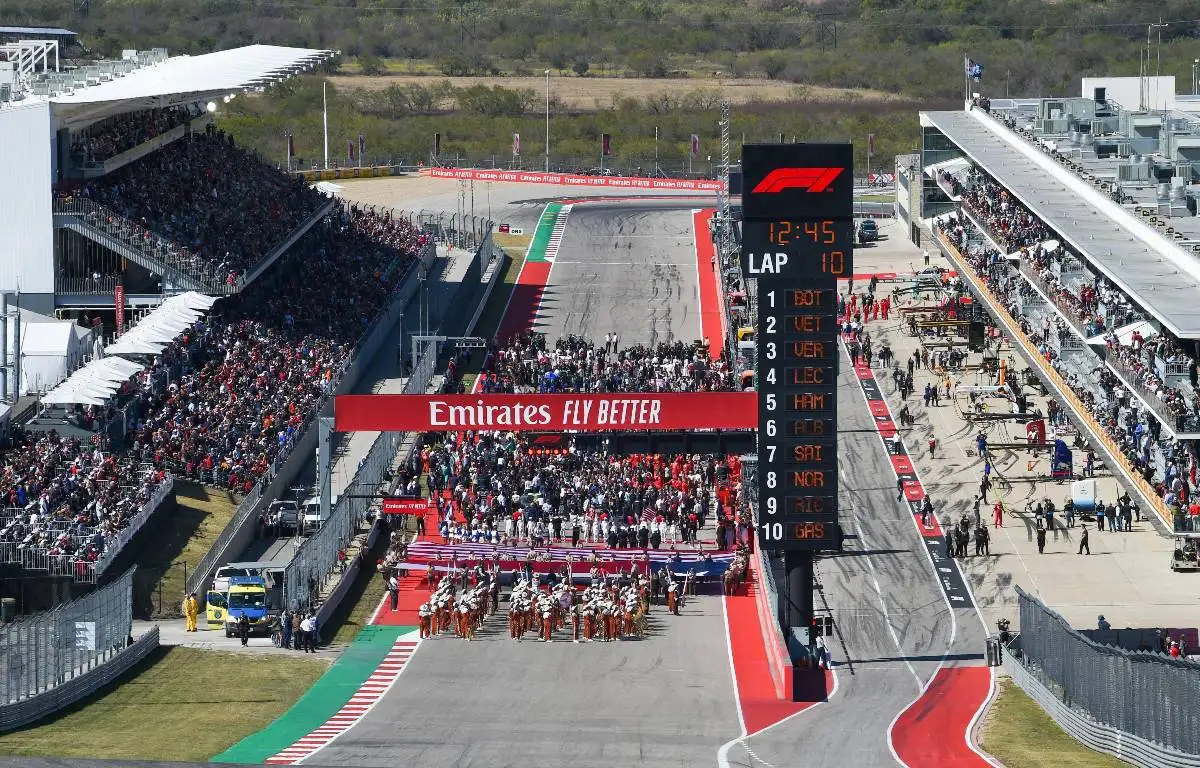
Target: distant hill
x,y
913,47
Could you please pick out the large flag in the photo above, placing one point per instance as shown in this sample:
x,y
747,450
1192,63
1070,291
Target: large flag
x,y
870,144
606,144
516,145
695,148
349,151
291,145
974,70
362,148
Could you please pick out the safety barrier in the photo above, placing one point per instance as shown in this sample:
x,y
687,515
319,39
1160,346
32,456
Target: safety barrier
x,y
1047,374
40,652
572,179
349,576
317,557
368,172
767,595
114,544
21,713
1137,706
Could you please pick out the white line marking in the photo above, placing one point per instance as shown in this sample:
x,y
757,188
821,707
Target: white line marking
x,y
723,751
933,568
887,616
342,720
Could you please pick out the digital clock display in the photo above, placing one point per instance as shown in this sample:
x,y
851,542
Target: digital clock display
x,y
797,249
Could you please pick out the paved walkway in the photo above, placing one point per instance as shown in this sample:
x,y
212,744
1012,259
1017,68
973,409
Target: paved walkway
x,y
1126,578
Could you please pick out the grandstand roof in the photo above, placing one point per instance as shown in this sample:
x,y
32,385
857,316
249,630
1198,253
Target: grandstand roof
x,y
1161,277
40,31
190,78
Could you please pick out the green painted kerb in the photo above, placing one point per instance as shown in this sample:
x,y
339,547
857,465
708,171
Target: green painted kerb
x,y
541,235
322,701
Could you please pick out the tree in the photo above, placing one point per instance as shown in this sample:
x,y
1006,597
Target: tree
x,y
773,65
580,67
369,64
648,64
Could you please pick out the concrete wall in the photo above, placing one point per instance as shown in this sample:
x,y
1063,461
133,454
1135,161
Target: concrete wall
x,y
26,220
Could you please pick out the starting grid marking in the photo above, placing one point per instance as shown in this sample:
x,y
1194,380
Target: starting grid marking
x,y
355,709
556,234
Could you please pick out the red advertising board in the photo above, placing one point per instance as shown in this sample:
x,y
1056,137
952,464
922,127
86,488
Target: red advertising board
x,y
119,306
537,177
546,413
402,505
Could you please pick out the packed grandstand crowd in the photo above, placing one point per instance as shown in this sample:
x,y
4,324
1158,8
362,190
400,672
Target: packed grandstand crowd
x,y
574,364
214,200
226,397
65,497
223,400
120,133
1100,307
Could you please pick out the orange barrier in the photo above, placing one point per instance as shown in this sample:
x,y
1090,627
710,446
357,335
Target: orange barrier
x,y
370,172
1145,489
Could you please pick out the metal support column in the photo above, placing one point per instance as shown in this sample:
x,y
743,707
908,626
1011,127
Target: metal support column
x,y
808,677
325,464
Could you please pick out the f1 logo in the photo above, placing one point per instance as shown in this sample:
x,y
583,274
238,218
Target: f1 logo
x,y
806,179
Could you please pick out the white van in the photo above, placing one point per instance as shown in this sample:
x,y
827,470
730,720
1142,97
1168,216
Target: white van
x,y
310,514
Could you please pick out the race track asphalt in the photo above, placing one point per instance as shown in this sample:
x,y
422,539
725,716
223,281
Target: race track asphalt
x,y
882,578
666,700
626,267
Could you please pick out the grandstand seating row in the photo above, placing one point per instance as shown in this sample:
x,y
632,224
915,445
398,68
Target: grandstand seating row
x,y
223,400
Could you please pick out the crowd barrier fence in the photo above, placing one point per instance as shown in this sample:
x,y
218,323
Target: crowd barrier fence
x,y
1138,705
46,650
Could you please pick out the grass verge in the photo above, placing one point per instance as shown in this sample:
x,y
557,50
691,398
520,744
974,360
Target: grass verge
x,y
1020,733
163,709
354,612
176,542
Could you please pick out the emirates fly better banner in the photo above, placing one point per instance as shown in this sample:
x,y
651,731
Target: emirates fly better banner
x,y
546,413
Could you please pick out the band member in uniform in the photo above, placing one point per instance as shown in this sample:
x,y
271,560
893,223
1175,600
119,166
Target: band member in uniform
x,y
424,615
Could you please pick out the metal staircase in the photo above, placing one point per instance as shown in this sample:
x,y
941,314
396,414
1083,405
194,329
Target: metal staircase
x,y
179,268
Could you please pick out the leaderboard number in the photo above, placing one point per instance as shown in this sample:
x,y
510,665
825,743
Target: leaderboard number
x,y
773,531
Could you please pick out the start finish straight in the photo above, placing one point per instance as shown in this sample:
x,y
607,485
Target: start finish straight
x,y
613,412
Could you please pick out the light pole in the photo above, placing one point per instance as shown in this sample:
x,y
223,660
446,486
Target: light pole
x,y
547,121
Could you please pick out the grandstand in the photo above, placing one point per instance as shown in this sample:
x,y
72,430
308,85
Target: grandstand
x,y
252,291
1077,215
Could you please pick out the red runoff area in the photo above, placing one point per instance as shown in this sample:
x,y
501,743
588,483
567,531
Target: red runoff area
x,y
932,732
758,693
711,307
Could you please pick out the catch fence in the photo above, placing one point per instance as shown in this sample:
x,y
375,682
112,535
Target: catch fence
x,y
317,558
40,652
1150,696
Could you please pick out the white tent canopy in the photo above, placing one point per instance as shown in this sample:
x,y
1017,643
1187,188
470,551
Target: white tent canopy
x,y
94,383
159,328
49,349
